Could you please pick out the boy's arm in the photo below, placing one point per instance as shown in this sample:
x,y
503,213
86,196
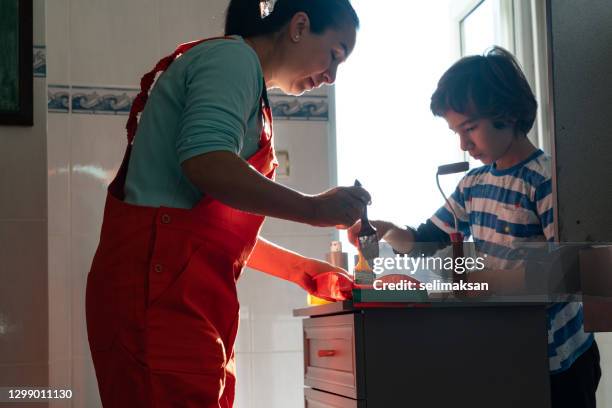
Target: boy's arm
x,y
401,239
430,236
426,239
544,205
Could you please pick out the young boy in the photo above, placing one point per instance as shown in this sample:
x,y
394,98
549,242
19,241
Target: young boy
x,y
488,103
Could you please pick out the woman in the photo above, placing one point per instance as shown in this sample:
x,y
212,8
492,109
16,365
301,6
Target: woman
x,y
183,215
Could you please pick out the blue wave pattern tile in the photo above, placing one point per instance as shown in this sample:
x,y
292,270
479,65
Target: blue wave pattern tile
x,y
100,100
118,101
304,107
40,61
58,98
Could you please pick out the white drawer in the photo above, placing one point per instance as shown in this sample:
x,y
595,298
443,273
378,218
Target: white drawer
x,y
332,356
318,399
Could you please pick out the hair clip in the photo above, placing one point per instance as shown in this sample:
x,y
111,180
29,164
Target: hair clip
x,y
266,7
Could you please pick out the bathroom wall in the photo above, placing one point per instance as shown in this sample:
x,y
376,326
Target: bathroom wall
x,y
97,51
24,353
270,359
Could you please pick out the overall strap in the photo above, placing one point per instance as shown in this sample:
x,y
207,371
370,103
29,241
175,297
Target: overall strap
x,y
147,81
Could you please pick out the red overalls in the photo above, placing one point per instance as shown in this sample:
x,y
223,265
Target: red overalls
x,y
161,301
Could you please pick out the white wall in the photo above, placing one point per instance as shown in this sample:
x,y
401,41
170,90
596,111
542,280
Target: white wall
x,y
270,344
101,48
23,240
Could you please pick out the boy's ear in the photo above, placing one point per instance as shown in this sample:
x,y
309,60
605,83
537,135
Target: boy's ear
x,y
503,124
499,124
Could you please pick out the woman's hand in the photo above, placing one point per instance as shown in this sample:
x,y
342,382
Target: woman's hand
x,y
326,281
333,285
340,206
318,278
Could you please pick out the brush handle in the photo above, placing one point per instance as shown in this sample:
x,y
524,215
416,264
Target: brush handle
x,y
366,227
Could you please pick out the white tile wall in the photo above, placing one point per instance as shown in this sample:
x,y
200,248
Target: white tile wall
x,y
33,374
270,302
60,379
58,173
23,318
278,380
97,146
83,250
23,170
112,42
24,321
38,22
58,42
188,20
60,309
244,377
84,384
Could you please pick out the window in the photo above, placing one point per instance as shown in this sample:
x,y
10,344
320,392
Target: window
x,y
386,136
479,30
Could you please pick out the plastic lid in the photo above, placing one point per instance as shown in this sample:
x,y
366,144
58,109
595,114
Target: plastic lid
x,y
335,246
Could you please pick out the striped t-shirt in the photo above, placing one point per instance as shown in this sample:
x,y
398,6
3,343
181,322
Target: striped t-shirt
x,y
502,208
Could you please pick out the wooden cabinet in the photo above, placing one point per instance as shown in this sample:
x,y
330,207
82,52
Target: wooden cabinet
x,y
438,356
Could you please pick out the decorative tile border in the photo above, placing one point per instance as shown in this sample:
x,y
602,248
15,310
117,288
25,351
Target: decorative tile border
x,y
40,61
305,107
118,101
102,100
58,98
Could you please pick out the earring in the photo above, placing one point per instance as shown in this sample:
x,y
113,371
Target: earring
x,y
296,38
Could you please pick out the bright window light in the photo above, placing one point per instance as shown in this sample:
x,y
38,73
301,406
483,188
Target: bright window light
x,y
478,29
386,135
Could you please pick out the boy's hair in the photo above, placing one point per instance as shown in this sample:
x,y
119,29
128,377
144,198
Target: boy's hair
x,y
487,86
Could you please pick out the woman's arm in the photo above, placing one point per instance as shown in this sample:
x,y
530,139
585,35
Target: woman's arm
x,y
228,178
285,264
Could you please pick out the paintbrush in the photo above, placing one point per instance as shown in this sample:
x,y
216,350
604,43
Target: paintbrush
x,y
368,240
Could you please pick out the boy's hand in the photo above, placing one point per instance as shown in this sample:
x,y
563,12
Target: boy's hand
x,y
381,228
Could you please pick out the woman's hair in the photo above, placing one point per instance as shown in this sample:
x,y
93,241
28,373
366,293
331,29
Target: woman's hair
x,y
244,17
487,86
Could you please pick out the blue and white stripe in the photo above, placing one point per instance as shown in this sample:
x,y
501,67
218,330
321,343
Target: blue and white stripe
x,y
500,209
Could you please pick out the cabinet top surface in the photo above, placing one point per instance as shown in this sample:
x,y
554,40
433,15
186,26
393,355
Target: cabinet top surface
x,y
347,306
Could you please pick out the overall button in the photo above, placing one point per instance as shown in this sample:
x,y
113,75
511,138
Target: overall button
x,y
158,268
165,219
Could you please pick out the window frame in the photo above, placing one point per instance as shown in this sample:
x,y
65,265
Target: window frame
x,y
522,30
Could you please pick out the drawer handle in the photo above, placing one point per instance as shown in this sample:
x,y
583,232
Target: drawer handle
x,y
326,353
